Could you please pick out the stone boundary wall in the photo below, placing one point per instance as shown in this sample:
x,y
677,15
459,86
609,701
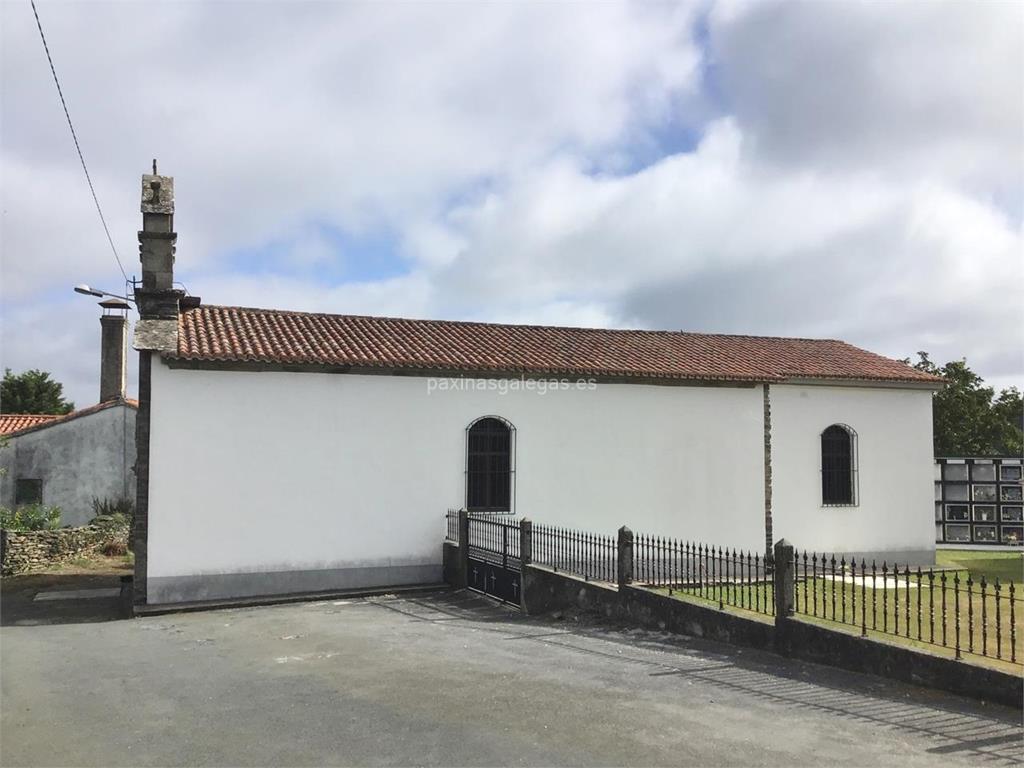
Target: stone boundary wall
x,y
544,591
26,551
837,648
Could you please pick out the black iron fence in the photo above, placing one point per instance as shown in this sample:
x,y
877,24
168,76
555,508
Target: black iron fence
x,y
723,576
452,526
590,555
938,607
494,539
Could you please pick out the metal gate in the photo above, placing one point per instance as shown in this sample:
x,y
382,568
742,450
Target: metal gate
x,y
493,552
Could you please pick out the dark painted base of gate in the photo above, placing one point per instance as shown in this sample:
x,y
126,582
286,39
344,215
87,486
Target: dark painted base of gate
x,y
494,580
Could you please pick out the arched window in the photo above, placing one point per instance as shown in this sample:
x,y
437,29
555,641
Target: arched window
x,y
839,465
489,446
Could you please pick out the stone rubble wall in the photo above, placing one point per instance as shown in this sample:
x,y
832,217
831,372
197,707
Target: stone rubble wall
x,y
25,551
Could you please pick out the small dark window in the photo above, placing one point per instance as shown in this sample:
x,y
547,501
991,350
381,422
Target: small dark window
x,y
489,467
28,492
838,456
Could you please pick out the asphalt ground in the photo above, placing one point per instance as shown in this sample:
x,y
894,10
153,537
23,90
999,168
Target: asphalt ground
x,y
445,679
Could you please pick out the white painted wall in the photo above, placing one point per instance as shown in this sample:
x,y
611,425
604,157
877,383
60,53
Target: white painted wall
x,y
293,471
285,472
86,457
895,507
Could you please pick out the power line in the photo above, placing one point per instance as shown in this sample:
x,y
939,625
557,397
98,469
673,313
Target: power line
x,y
77,147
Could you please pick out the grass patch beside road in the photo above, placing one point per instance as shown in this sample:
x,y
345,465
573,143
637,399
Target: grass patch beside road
x,y
95,562
912,617
757,597
1006,566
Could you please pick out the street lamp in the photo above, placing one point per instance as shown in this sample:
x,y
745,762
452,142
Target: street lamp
x,y
90,291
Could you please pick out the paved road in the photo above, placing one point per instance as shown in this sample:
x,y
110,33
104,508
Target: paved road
x,y
451,679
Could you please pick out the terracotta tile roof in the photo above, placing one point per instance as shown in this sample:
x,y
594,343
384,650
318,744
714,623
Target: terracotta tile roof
x,y
11,423
243,335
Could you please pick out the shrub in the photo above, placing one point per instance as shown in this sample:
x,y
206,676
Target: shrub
x,y
30,517
120,510
114,547
119,506
109,522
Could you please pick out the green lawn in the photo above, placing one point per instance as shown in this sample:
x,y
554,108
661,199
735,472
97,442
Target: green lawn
x,y
1006,566
911,616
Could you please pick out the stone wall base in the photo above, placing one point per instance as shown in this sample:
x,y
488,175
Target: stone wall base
x,y
171,590
545,591
27,551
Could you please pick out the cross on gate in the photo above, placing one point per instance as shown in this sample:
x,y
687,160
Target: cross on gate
x,y
491,568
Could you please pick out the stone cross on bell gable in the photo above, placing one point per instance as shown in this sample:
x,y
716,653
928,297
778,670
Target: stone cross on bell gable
x,y
157,298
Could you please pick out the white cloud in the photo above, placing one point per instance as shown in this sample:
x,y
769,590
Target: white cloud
x,y
559,231
906,88
860,172
710,241
360,114
407,295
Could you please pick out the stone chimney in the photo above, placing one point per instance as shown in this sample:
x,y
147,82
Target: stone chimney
x,y
157,298
113,350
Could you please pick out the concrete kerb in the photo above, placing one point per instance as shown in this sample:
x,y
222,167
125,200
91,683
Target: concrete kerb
x,y
305,597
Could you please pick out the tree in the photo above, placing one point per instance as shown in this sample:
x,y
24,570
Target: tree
x,y
32,392
1009,409
968,418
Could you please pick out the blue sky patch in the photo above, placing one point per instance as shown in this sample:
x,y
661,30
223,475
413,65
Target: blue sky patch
x,y
328,253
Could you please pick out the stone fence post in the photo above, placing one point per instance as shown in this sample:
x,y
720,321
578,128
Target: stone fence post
x,y
624,569
525,541
784,586
463,569
463,530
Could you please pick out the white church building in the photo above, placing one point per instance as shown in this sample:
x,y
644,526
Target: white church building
x,y
285,452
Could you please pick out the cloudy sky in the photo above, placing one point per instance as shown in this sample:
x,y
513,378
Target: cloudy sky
x,y
827,169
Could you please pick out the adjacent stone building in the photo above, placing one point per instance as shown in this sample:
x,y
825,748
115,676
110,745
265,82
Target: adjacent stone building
x,y
67,461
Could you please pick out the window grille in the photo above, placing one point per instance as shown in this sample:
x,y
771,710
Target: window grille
x,y
489,472
838,466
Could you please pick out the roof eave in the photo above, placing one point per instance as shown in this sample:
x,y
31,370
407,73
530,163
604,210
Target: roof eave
x,y
821,381
187,361
65,418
